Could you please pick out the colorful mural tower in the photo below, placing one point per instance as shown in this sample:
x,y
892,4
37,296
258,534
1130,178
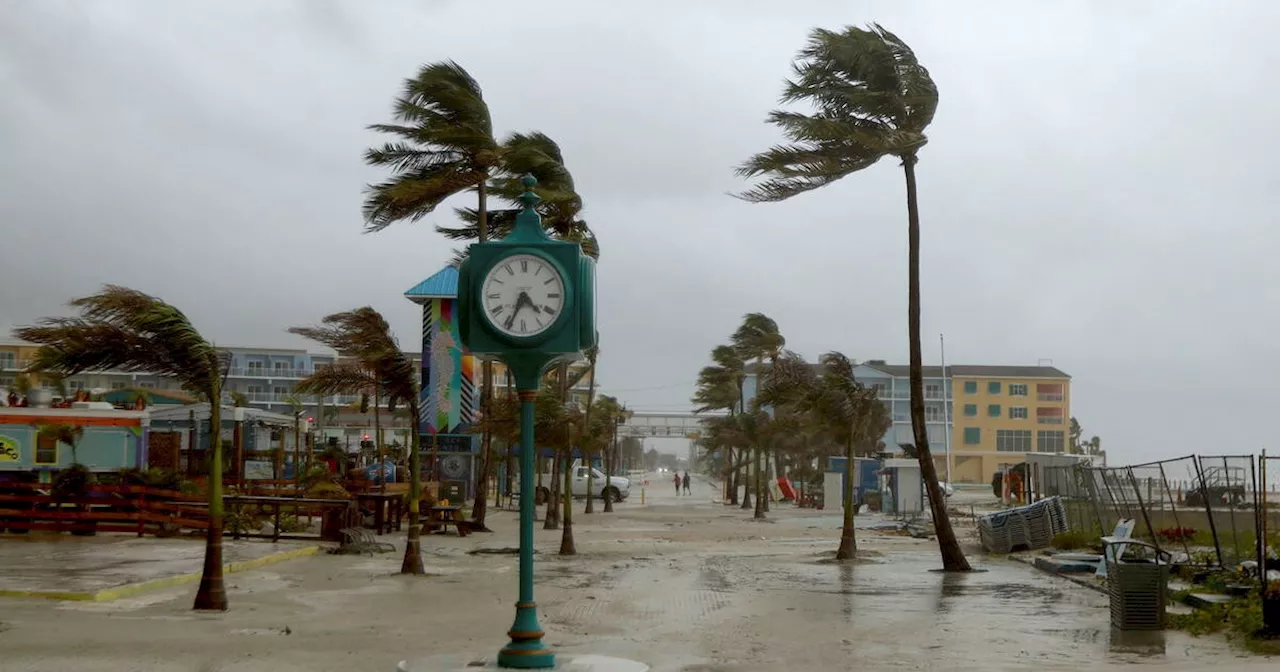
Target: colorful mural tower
x,y
450,393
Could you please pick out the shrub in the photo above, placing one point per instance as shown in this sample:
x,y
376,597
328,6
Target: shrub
x,y
1073,539
71,482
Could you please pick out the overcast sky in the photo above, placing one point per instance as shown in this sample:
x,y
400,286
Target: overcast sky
x,y
1099,187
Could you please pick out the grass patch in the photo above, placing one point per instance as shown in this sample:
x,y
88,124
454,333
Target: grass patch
x,y
1240,620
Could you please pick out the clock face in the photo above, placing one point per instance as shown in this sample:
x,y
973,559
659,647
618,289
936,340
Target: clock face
x,y
522,295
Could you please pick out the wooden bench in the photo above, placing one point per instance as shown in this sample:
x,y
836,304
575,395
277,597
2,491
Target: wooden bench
x,y
439,518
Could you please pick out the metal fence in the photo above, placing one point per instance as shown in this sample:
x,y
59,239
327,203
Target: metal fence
x,y
1205,510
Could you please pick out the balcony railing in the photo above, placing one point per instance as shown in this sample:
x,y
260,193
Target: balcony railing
x,y
1050,396
1049,420
263,372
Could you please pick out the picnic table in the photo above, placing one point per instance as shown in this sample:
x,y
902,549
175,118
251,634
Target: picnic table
x,y
388,509
443,516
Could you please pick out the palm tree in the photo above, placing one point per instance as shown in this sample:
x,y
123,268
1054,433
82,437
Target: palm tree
x,y
445,145
364,335
759,338
870,98
843,410
61,432
719,387
122,328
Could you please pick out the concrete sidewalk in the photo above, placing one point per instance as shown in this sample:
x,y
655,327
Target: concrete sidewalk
x,y
109,567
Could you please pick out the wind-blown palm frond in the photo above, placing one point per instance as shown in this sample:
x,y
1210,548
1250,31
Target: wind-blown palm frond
x,y
125,329
871,98
339,378
444,145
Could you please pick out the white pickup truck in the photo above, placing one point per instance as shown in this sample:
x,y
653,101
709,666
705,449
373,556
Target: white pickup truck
x,y
616,488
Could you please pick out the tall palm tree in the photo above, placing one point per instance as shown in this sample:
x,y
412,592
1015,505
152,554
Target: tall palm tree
x,y
870,98
522,154
758,338
445,145
364,335
122,328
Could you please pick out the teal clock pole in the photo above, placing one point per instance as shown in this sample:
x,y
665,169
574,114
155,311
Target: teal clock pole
x,y
528,300
526,650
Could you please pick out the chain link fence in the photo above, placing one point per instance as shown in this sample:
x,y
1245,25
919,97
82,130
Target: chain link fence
x,y
1205,510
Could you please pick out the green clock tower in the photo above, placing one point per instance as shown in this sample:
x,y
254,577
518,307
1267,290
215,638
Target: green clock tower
x,y
529,301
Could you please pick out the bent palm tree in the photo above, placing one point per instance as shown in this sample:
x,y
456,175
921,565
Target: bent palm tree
x,y
122,328
871,98
364,335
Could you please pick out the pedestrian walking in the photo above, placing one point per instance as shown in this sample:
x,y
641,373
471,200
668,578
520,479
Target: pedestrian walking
x,y
676,480
686,483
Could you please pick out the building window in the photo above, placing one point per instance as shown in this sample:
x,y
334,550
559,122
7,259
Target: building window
x,y
970,387
993,410
993,387
75,385
254,393
280,393
8,360
117,386
1049,392
6,381
283,368
147,385
1013,440
255,368
970,410
1018,390
46,450
1018,412
1049,441
932,391
972,436
882,390
933,413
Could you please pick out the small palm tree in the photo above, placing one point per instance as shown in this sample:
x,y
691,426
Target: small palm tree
x,y
719,387
365,336
62,432
758,338
871,98
122,328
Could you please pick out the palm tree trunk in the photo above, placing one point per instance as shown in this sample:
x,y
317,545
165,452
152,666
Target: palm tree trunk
x,y
953,559
377,420
413,545
212,593
746,478
848,544
586,425
567,546
759,482
591,481
480,506
297,452
551,520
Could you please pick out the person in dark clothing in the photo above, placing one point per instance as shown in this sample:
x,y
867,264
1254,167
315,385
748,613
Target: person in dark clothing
x,y
686,483
676,479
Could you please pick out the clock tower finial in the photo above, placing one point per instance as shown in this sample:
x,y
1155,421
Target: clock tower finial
x,y
528,198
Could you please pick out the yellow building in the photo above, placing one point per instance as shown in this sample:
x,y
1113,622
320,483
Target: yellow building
x,y
1001,413
13,359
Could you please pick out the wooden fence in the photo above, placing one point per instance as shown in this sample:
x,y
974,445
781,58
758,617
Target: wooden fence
x,y
101,508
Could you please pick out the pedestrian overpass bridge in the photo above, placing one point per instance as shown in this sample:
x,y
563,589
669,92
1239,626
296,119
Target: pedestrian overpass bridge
x,y
662,425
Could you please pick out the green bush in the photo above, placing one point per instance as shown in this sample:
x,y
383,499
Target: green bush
x,y
1073,539
71,482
